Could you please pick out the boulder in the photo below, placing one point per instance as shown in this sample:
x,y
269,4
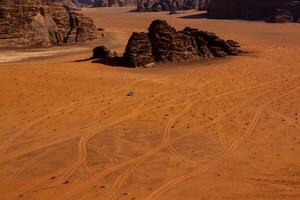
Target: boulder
x,y
101,52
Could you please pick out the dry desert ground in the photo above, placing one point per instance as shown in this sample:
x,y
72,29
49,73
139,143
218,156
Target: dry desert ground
x,y
226,129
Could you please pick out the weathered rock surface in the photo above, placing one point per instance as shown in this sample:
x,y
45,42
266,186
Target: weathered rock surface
x,y
270,10
203,4
166,5
26,23
144,5
138,51
164,44
169,45
102,52
106,3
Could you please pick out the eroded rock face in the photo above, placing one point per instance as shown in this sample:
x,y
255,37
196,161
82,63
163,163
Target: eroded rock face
x,y
169,45
203,4
138,51
270,10
164,44
26,23
166,5
106,3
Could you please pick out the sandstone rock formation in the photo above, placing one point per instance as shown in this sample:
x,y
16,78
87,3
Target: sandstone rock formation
x,y
270,10
106,3
102,52
164,44
166,5
146,5
203,4
138,51
26,23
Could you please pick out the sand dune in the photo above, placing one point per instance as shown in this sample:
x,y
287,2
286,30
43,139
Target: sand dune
x,y
222,129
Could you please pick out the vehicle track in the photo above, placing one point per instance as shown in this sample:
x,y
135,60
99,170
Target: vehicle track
x,y
93,180
27,127
166,139
155,194
68,107
117,167
13,176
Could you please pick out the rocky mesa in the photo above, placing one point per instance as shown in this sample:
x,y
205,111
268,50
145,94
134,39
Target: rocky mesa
x,y
27,23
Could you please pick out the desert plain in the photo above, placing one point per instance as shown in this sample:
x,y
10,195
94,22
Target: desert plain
x,y
216,129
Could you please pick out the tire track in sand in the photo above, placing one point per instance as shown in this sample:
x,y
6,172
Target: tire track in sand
x,y
140,159
77,188
97,176
69,107
155,194
166,139
54,112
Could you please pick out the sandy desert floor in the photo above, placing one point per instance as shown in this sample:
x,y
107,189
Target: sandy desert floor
x,y
222,129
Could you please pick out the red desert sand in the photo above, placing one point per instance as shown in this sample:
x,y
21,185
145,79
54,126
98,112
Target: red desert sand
x,y
222,129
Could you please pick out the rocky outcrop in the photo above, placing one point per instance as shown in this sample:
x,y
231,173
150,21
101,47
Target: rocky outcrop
x,y
138,51
26,23
270,10
164,44
146,5
203,4
168,45
106,3
166,5
102,52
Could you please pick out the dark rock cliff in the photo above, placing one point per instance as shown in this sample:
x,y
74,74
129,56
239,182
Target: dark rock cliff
x,y
26,23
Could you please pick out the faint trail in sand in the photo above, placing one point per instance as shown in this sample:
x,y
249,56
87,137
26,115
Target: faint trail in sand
x,y
67,172
84,102
14,175
166,140
287,118
17,154
167,137
98,175
220,133
27,127
21,152
169,126
137,160
85,138
188,106
82,156
155,194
